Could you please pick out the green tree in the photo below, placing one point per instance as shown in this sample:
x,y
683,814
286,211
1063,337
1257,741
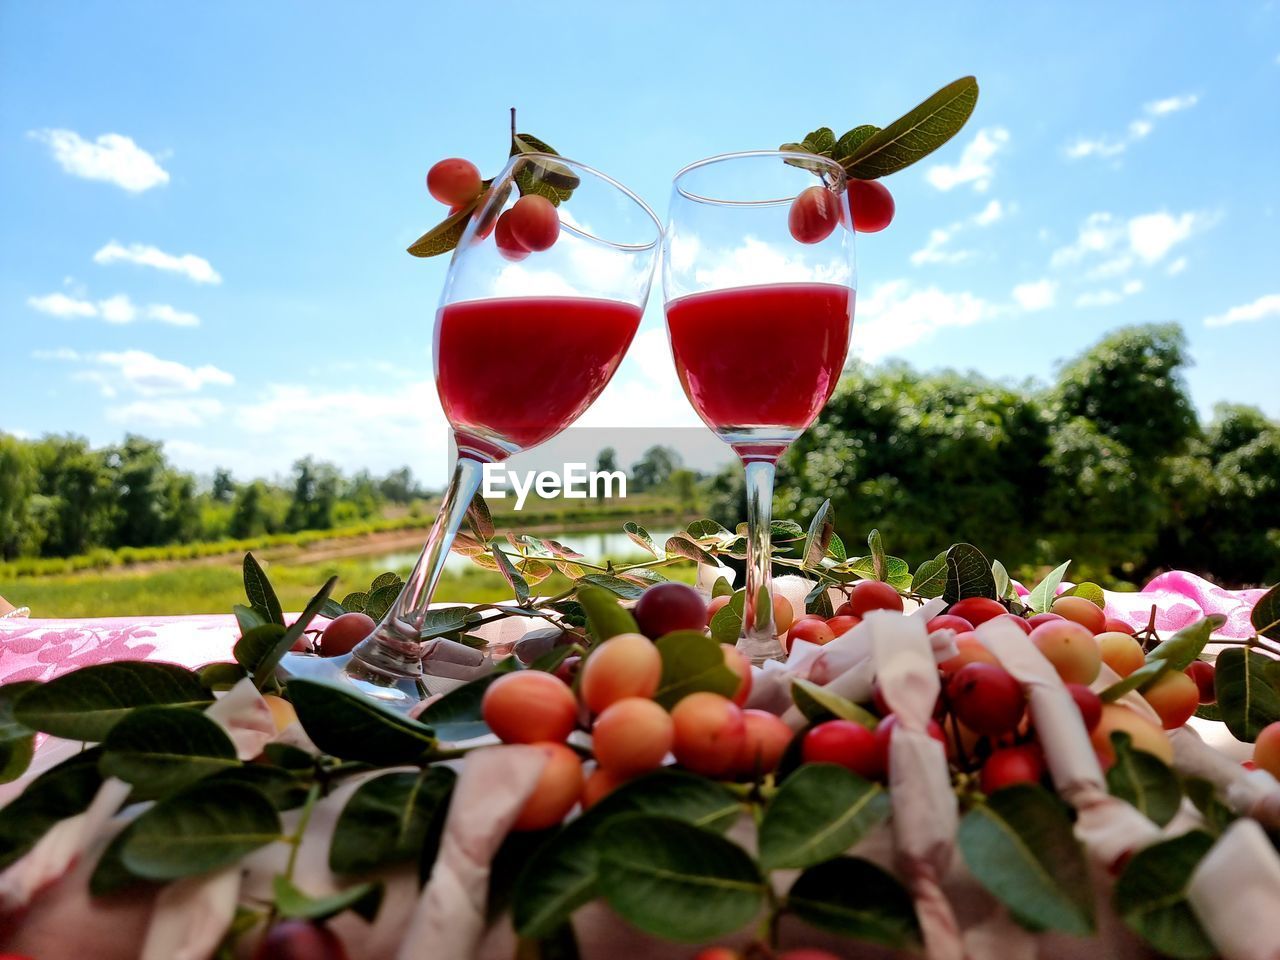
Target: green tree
x,y
19,535
315,494
249,517
606,462
653,468
224,487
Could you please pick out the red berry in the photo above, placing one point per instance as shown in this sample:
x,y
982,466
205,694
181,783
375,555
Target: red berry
x,y
1113,625
871,205
871,595
510,248
1004,768
1017,621
986,699
300,940
1040,618
344,632
813,630
1203,674
843,742
949,621
667,607
1089,703
454,181
534,222
843,624
807,953
814,215
977,610
885,730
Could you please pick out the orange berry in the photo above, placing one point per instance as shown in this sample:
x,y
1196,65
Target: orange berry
x,y
557,791
632,736
735,661
627,665
529,707
709,731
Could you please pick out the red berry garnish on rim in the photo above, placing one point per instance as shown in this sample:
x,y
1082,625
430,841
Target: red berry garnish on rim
x,y
454,181
814,215
534,222
871,205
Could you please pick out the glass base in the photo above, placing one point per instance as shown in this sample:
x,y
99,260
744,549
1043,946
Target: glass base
x,y
392,690
759,649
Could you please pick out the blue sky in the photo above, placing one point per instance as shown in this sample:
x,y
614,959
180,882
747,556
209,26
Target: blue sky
x,y
204,207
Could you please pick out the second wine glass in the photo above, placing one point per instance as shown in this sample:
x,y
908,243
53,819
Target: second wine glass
x,y
759,280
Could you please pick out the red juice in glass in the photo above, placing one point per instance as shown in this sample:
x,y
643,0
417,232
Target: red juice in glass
x,y
761,360
513,372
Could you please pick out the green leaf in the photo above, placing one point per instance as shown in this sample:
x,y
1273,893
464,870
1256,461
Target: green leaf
x,y
726,625
847,145
1151,896
444,236
836,550
1265,615
692,662
855,898
1144,676
332,609
642,538
293,904
256,644
818,704
555,181
1244,682
682,546
379,601
1091,592
615,585
64,791
1186,645
1019,845
220,676
930,579
818,813
1217,815
110,875
457,715
355,602
248,618
721,588
968,574
350,726
202,828
158,750
1143,780
442,620
821,528
821,141
878,563
16,739
283,788
915,134
708,530
1046,591
780,531
390,819
818,600
262,597
1001,576
563,874
677,881
605,616
896,571
387,579
87,703
265,669
479,519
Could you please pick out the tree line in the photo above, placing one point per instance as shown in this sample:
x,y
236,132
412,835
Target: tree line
x,y
1109,466
60,497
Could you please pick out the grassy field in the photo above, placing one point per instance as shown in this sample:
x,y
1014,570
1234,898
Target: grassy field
x,y
214,588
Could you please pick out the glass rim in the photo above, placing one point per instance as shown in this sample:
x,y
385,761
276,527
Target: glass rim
x,y
622,188
744,155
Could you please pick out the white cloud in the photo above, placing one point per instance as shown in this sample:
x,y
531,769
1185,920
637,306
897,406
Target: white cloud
x,y
189,265
1038,295
1114,246
1138,129
167,412
974,165
1158,108
112,158
61,305
138,371
1176,267
1108,297
896,315
1260,309
936,249
118,309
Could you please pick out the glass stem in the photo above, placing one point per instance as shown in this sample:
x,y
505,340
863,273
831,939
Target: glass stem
x,y
395,648
759,641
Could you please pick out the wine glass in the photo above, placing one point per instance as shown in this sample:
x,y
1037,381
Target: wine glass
x,y
758,280
537,311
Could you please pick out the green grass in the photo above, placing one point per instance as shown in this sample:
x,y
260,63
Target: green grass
x,y
214,589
